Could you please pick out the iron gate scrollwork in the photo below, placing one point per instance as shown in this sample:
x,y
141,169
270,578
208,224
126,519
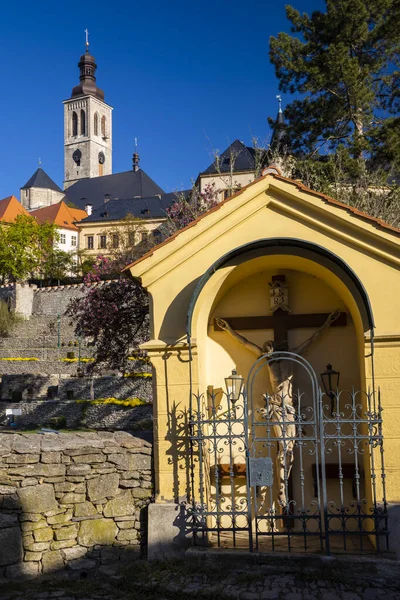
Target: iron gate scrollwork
x,y
290,470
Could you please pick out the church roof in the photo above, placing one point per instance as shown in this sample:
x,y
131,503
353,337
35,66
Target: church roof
x,y
129,184
60,214
142,208
40,179
10,208
301,187
243,158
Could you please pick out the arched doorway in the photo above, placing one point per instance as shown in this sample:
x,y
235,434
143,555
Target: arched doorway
x,y
330,480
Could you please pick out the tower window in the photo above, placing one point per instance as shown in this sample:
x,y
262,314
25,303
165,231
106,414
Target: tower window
x,y
74,124
103,126
83,122
96,123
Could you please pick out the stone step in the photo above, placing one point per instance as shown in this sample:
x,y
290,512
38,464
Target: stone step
x,y
40,367
45,353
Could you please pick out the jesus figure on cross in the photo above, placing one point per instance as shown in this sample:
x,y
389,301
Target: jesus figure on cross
x,y
280,403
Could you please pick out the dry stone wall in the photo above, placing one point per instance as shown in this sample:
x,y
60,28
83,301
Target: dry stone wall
x,y
71,501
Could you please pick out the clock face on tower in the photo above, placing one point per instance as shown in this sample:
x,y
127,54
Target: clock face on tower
x,y
102,158
77,155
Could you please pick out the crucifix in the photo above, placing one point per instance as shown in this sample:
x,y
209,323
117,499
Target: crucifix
x,y
281,321
87,38
280,410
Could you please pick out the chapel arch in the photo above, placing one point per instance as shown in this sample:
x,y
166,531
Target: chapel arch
x,y
83,122
74,124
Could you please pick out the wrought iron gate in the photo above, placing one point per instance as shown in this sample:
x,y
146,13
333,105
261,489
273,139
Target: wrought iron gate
x,y
290,471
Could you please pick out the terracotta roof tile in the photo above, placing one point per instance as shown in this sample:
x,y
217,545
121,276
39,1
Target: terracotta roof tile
x,y
60,214
10,208
299,185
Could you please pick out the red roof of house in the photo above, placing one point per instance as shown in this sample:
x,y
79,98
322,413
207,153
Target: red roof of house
x,y
10,208
60,214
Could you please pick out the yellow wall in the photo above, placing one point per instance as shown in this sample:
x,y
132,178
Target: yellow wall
x,y
270,208
97,229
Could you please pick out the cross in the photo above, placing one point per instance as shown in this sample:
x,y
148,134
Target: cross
x,y
87,38
40,162
281,321
279,98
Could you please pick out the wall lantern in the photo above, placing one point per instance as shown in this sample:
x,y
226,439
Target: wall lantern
x,y
330,379
234,386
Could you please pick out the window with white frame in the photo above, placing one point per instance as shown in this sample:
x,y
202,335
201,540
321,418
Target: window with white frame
x,y
73,240
62,238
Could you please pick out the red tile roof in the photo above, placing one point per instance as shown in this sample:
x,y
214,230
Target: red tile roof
x,y
60,214
10,208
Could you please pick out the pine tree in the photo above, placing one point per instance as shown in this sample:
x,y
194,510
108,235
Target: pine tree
x,y
343,66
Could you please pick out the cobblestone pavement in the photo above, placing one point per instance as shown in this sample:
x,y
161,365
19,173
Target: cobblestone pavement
x,y
218,580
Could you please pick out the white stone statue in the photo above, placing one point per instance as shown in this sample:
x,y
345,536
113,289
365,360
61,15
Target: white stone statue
x,y
281,409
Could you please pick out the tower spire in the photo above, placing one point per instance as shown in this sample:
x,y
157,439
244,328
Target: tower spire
x,y
87,40
135,158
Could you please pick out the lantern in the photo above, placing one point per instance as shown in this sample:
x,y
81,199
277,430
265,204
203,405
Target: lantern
x,y
234,386
330,379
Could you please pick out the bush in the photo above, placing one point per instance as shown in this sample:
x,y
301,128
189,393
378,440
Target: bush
x,y
7,319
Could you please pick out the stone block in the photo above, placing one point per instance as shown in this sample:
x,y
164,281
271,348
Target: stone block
x,y
31,517
32,526
39,470
121,460
139,462
120,506
7,489
85,509
97,531
126,524
29,481
66,533
103,486
129,483
29,444
52,561
140,493
127,535
61,518
10,546
43,535
78,469
33,556
168,536
37,498
38,546
62,544
66,486
89,458
72,498
51,457
22,459
73,553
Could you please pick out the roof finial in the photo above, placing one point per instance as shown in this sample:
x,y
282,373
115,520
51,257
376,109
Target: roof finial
x,y
87,39
279,98
135,159
40,162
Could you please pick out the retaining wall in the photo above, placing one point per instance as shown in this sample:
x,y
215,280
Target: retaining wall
x,y
74,415
71,501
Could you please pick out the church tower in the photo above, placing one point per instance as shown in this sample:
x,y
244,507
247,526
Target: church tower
x,y
87,127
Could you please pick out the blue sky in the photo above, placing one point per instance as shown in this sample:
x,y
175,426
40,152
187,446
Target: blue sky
x,y
181,76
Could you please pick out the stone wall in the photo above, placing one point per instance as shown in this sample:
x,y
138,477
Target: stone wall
x,y
71,414
71,501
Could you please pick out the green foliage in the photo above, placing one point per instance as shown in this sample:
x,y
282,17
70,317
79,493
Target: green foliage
x,y
58,264
344,64
24,247
7,319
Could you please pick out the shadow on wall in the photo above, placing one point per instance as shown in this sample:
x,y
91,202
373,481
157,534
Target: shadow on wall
x,y
72,502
